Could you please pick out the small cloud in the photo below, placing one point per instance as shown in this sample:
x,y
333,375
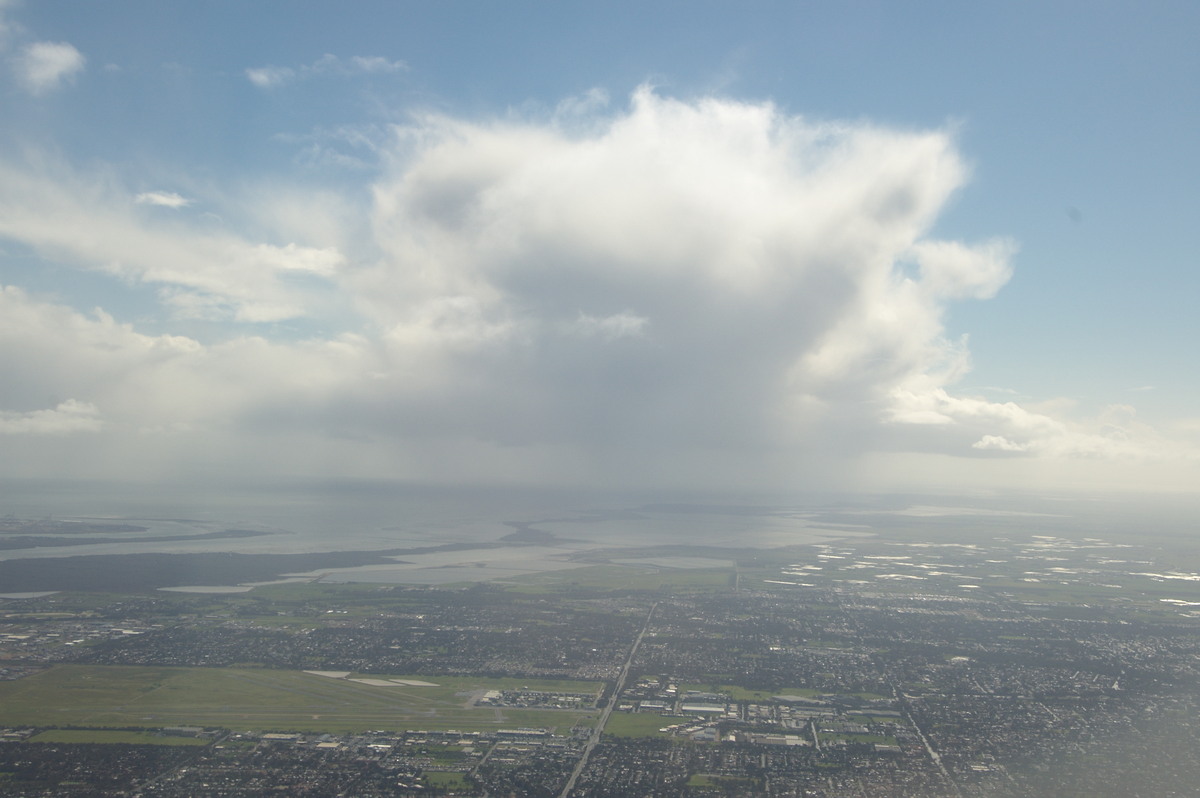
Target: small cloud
x,y
998,443
69,416
44,66
269,77
164,199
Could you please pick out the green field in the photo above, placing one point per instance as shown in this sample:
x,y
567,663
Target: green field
x,y
446,780
639,724
112,736
266,700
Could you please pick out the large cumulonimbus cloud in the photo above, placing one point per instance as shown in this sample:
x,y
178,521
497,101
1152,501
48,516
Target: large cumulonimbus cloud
x,y
713,274
685,292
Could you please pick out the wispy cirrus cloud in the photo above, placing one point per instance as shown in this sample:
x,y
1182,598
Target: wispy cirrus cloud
x,y
162,199
271,76
201,272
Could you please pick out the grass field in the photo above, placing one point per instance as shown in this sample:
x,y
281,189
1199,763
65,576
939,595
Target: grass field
x,y
112,736
446,780
639,724
265,700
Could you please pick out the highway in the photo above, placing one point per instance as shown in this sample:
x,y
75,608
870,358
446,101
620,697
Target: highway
x,y
608,708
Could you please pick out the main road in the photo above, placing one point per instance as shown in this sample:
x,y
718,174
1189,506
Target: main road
x,y
608,708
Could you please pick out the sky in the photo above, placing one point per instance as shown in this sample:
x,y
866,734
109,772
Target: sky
x,y
792,246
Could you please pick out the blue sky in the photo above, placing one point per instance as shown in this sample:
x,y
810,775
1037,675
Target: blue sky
x,y
448,241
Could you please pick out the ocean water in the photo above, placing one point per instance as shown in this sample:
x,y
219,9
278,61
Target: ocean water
x,y
375,517
552,525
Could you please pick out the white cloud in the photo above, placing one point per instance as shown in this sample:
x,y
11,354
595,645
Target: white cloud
x,y
954,271
162,381
164,199
69,416
688,292
214,274
998,443
1051,432
760,255
45,66
756,269
269,77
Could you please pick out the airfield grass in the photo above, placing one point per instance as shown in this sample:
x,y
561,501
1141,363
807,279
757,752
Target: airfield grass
x,y
112,736
120,696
